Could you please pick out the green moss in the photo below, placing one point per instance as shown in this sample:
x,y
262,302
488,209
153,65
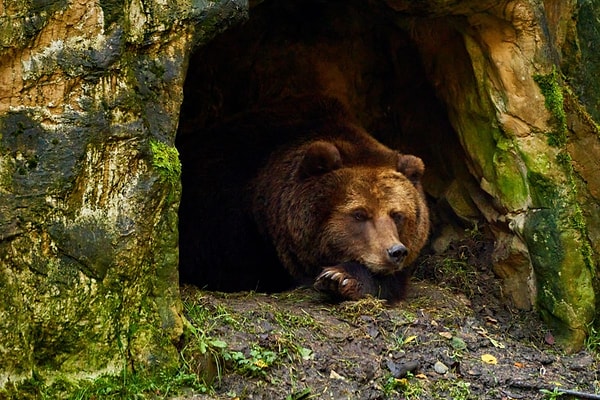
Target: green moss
x,y
509,179
547,194
554,101
165,159
578,222
567,201
577,219
557,237
126,385
564,159
7,170
543,240
565,295
543,190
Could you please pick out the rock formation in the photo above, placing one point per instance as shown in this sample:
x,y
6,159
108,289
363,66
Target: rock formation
x,y
89,186
497,97
493,96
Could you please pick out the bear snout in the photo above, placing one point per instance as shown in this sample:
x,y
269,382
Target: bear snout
x,y
397,253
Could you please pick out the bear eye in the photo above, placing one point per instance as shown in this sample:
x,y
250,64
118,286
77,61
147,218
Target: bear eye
x,y
360,215
398,217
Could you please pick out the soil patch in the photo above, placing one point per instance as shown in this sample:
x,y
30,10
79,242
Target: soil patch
x,y
453,338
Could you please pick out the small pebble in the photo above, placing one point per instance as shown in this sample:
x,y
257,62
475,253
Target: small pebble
x,y
400,370
440,367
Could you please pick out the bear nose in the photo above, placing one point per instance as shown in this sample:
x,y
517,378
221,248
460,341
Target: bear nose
x,y
397,252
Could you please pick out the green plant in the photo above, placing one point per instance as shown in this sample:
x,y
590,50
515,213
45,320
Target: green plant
x,y
457,273
551,394
301,395
592,341
408,317
127,385
201,341
460,390
474,233
200,344
401,340
287,320
355,310
256,364
201,313
408,387
203,345
285,341
452,389
137,385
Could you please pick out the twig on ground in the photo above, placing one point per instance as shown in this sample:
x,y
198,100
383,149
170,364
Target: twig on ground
x,y
574,393
581,395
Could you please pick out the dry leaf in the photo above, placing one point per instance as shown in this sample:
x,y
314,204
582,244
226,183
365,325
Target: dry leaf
x,y
496,343
489,359
446,335
409,339
519,364
335,375
484,333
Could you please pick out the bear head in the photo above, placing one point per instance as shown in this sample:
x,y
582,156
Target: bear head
x,y
376,215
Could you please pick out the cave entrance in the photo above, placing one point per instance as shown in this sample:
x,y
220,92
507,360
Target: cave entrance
x,y
362,53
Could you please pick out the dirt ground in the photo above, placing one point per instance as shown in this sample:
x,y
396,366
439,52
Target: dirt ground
x,y
452,338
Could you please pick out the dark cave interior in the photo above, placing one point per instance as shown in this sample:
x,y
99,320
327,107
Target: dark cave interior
x,y
359,52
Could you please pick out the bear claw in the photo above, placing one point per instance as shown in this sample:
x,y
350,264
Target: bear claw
x,y
339,283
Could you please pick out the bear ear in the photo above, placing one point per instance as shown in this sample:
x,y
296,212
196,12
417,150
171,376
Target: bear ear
x,y
320,157
411,166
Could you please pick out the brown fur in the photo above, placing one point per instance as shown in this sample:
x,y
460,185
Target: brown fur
x,y
330,203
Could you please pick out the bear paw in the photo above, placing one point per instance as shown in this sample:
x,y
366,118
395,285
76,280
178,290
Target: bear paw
x,y
338,282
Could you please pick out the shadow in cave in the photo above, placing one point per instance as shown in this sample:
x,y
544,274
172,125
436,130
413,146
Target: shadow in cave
x,y
290,48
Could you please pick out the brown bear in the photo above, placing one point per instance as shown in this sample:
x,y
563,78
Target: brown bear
x,y
297,194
